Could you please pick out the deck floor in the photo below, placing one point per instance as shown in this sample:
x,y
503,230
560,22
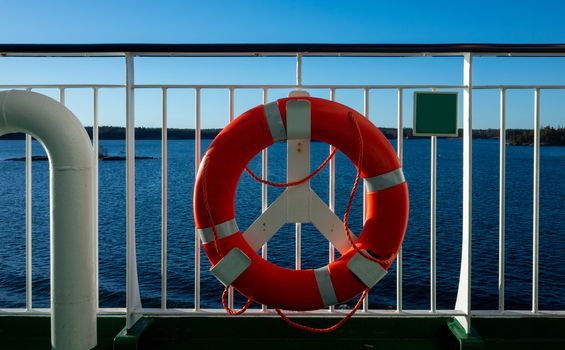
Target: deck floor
x,y
32,332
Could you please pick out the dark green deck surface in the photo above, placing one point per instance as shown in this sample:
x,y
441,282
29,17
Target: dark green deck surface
x,y
32,332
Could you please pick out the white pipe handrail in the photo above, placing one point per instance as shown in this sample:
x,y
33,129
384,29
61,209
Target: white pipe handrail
x,y
73,314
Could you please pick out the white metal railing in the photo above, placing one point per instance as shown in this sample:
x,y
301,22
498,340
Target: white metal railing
x,y
463,307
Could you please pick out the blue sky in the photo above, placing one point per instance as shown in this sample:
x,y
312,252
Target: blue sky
x,y
284,22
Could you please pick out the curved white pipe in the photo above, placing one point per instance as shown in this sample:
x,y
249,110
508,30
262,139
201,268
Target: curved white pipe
x,y
73,315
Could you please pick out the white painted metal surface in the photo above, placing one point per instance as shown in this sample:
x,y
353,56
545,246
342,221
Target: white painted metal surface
x,y
29,224
399,152
298,165
502,202
73,300
463,303
164,199
535,228
433,181
197,243
95,152
299,70
133,298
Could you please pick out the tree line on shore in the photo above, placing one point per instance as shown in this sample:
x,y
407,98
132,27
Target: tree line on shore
x,y
548,135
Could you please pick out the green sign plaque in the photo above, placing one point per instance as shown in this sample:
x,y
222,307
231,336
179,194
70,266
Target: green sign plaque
x,y
435,114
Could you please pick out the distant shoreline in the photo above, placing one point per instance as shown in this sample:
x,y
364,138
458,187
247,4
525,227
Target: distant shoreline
x,y
522,137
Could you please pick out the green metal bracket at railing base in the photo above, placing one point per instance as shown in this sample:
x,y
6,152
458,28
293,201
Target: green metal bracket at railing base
x,y
466,341
130,339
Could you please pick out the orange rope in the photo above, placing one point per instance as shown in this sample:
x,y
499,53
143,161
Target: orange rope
x,y
231,311
328,329
292,183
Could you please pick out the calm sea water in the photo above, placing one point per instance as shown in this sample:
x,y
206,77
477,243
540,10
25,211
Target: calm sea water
x,y
281,248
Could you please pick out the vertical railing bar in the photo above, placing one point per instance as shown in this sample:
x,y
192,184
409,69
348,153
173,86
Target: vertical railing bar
x,y
197,153
299,70
331,193
62,96
264,187
298,246
164,199
133,300
463,303
535,229
433,182
400,153
366,113
502,201
231,117
95,152
232,104
29,223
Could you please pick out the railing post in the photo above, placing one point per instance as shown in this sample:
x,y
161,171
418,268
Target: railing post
x,y
463,303
133,299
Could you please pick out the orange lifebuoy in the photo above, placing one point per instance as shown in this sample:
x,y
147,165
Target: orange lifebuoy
x,y
238,264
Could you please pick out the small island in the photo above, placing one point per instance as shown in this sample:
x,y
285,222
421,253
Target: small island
x,y
102,155
549,136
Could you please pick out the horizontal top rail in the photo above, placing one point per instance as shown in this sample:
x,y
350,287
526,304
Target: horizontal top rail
x,y
280,49
61,86
286,86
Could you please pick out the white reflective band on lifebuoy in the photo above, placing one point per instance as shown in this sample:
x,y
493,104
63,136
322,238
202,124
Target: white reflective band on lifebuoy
x,y
231,266
384,181
325,286
224,230
369,272
274,120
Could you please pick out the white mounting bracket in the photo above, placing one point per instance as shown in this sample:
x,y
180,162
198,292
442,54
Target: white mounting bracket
x,y
298,93
298,204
